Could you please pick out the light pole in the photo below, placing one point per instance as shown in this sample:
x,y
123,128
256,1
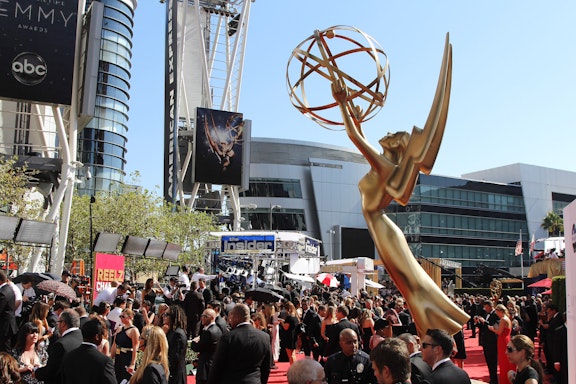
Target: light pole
x,y
331,232
273,207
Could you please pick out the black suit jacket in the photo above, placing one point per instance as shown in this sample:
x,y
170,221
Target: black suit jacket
x,y
313,325
177,344
447,372
489,339
52,372
221,323
420,369
206,346
193,306
87,365
333,334
8,326
208,296
242,356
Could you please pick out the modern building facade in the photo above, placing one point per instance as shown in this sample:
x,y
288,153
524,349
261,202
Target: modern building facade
x,y
29,131
102,143
475,220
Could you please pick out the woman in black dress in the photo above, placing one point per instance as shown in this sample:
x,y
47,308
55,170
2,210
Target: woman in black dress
x,y
175,322
149,292
287,331
125,347
520,352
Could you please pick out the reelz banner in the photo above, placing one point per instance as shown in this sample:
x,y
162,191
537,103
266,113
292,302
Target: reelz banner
x,y
37,43
107,268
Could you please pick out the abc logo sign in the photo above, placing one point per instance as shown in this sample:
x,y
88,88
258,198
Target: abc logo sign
x,y
29,68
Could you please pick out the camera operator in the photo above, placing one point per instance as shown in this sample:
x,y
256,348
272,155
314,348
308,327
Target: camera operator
x,y
172,291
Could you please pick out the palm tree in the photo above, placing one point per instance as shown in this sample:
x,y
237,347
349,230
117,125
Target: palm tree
x,y
553,223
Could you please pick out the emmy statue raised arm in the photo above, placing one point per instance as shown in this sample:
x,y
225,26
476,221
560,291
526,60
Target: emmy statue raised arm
x,y
393,173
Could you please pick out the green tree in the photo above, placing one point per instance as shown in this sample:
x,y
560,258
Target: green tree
x,y
553,224
19,197
140,214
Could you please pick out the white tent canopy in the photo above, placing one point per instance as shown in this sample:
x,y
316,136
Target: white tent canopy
x,y
373,284
303,278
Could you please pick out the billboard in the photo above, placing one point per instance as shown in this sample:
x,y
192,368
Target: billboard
x,y
107,268
570,260
248,244
219,147
37,45
171,164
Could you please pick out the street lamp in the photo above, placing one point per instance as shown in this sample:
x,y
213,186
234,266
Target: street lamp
x,y
273,207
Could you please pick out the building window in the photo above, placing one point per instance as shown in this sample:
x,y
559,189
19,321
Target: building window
x,y
282,219
274,188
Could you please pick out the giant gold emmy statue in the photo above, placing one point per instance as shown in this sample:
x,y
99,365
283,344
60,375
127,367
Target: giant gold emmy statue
x,y
325,57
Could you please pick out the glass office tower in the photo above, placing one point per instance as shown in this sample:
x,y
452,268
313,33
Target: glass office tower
x,y
471,222
102,143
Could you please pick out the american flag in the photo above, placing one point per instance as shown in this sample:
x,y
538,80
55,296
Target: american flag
x,y
518,250
532,243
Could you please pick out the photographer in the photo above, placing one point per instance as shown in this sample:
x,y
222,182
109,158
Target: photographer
x,y
172,291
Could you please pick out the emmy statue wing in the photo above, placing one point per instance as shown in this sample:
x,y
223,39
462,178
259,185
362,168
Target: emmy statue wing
x,y
424,144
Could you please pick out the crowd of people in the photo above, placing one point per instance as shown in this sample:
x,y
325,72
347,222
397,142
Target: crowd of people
x,y
149,335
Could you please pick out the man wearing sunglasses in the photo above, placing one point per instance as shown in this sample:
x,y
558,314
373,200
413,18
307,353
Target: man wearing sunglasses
x,y
437,346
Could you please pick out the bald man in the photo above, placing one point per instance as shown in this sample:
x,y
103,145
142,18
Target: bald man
x,y
205,344
305,371
243,354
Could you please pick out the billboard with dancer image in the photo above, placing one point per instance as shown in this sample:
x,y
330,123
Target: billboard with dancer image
x,y
220,141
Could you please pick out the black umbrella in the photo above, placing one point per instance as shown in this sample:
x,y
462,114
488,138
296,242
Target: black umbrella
x,y
36,277
263,295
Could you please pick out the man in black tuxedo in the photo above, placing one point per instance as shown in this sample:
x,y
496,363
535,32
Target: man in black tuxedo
x,y
86,364
420,370
488,339
473,309
206,292
333,333
437,346
8,326
220,321
205,344
312,324
551,342
70,339
193,306
403,314
242,355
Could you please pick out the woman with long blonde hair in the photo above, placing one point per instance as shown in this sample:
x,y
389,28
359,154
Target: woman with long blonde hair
x,y
154,366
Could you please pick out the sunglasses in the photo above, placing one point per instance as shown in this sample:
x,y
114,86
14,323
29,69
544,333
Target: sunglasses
x,y
509,349
426,345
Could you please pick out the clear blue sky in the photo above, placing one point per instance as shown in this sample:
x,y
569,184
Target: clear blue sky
x,y
513,84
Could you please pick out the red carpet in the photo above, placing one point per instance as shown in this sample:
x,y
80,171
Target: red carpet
x,y
474,364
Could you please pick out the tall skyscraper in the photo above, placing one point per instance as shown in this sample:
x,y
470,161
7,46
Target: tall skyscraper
x,y
102,143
